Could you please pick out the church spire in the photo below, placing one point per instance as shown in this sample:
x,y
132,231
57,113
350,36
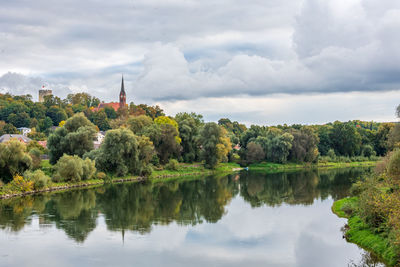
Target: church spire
x,y
122,94
122,85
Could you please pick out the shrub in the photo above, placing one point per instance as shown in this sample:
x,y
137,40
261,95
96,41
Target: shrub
x,y
393,166
89,169
147,171
74,169
101,175
1,184
39,178
19,183
331,154
172,165
36,160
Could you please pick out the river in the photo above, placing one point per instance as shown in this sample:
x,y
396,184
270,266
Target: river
x,y
244,219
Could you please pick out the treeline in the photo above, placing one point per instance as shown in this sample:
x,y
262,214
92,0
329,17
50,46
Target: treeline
x,y
140,138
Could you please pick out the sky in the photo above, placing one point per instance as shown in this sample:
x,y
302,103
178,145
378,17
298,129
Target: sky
x,y
258,61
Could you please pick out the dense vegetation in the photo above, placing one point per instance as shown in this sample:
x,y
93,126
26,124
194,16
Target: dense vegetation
x,y
373,212
140,138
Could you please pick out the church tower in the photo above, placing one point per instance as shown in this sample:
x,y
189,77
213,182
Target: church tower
x,y
122,94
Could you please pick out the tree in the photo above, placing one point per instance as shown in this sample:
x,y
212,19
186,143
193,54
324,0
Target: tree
x,y
210,138
138,123
74,169
19,120
56,114
99,118
304,145
189,127
346,141
276,145
119,153
75,138
224,146
254,153
13,159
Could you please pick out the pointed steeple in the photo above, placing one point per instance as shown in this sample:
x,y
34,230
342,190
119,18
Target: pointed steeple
x,y
122,94
122,85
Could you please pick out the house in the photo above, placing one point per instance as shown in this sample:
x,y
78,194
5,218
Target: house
x,y
24,131
99,139
6,137
43,143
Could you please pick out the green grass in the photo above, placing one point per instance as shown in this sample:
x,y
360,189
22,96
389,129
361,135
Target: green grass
x,y
276,167
363,235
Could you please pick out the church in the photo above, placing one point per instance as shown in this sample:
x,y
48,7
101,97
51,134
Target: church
x,y
115,105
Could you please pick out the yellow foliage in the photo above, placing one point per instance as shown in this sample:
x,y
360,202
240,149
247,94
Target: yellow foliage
x,y
224,147
61,124
22,184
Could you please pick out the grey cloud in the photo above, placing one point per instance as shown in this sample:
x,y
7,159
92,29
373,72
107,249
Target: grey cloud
x,y
180,49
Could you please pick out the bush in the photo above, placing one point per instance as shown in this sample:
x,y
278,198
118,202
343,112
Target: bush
x,y
393,166
19,183
101,175
36,160
331,154
39,178
147,171
172,165
74,169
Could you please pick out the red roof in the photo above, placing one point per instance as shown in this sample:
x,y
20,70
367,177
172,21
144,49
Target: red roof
x,y
43,143
113,105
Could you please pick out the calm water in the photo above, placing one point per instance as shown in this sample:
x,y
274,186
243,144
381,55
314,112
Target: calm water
x,y
248,219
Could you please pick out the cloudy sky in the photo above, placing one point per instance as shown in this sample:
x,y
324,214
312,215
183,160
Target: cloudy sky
x,y
257,61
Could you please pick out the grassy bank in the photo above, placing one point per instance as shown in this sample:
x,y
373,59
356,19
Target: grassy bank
x,y
363,235
184,169
276,167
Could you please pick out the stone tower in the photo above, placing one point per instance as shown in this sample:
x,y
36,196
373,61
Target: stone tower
x,y
44,92
122,94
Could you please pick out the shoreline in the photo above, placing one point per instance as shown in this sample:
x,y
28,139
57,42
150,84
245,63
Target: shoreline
x,y
193,170
359,233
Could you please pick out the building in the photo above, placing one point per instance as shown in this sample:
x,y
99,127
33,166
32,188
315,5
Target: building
x,y
24,131
99,139
44,92
115,105
6,137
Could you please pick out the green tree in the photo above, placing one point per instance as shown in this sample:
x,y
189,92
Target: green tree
x,y
304,145
13,159
210,136
119,153
138,123
346,141
56,114
189,128
75,138
254,153
74,169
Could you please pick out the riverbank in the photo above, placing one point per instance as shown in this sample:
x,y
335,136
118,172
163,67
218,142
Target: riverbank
x,y
184,169
359,233
276,167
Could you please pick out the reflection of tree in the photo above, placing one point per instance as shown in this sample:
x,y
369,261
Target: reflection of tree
x,y
302,187
137,206
367,260
142,205
74,212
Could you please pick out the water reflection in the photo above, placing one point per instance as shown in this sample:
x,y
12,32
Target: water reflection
x,y
139,206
